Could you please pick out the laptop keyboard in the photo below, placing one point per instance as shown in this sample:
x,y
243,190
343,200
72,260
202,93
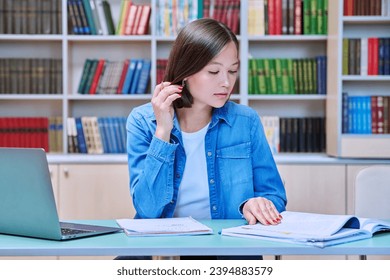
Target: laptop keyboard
x,y
71,231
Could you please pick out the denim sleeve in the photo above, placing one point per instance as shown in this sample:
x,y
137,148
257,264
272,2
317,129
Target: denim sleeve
x,y
151,163
266,177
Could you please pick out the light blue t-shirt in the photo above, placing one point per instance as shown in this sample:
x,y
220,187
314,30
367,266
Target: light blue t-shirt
x,y
193,197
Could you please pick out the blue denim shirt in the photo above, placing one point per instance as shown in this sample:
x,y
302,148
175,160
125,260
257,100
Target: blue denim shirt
x,y
240,164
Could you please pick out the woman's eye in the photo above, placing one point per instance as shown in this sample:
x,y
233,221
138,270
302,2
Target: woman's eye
x,y
213,72
233,72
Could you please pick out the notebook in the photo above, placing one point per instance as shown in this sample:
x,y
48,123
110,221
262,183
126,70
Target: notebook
x,y
27,203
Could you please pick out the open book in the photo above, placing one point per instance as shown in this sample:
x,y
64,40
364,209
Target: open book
x,y
319,230
163,226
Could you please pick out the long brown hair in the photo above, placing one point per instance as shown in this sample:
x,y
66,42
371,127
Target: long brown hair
x,y
195,46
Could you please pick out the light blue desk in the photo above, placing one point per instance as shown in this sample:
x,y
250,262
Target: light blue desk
x,y
119,244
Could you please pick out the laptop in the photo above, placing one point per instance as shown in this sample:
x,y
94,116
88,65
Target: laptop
x,y
27,203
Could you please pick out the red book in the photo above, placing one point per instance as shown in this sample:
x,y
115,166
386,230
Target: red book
x,y
271,17
348,7
137,19
224,5
28,131
298,17
143,26
370,57
44,129
278,16
96,77
123,76
206,8
130,20
236,16
375,56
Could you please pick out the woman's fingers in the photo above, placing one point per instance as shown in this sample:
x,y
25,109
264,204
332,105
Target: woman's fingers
x,y
262,210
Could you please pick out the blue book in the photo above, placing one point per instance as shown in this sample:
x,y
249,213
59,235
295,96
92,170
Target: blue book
x,y
112,134
80,136
129,76
137,75
144,76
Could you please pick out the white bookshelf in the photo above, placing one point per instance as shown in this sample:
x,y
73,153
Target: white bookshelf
x,y
74,49
353,145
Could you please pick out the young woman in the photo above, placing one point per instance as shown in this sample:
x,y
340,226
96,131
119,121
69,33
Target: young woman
x,y
191,151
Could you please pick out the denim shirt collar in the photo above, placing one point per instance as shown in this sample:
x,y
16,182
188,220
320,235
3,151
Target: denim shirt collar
x,y
219,114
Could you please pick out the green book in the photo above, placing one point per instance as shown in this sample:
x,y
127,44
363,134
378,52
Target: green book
x,y
314,75
261,75
291,78
345,57
306,17
118,27
84,75
285,77
313,17
251,89
325,16
267,72
272,73
108,16
91,73
89,16
306,76
320,17
278,75
200,8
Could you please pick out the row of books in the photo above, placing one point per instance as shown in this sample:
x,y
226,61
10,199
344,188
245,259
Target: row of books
x,y
295,135
366,8
90,17
134,19
365,114
173,15
30,75
101,76
32,132
30,17
366,56
287,76
96,135
287,17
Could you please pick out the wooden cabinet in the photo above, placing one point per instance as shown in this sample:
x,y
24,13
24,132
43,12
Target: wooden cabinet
x,y
94,191
318,188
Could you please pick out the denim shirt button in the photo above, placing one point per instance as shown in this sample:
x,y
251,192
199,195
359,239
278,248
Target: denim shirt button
x,y
172,202
177,175
214,208
209,154
211,181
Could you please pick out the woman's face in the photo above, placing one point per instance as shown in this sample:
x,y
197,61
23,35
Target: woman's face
x,y
213,84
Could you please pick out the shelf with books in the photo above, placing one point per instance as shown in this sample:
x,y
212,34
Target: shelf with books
x,y
360,73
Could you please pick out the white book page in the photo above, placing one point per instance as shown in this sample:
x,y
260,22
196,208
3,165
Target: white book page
x,y
298,223
163,226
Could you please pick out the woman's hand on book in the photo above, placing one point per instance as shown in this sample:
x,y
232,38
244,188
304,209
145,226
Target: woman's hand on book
x,y
262,210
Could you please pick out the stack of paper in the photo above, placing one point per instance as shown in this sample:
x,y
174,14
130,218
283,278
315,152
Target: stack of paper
x,y
163,226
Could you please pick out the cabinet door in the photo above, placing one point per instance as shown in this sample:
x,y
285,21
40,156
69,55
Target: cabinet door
x,y
94,191
315,188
